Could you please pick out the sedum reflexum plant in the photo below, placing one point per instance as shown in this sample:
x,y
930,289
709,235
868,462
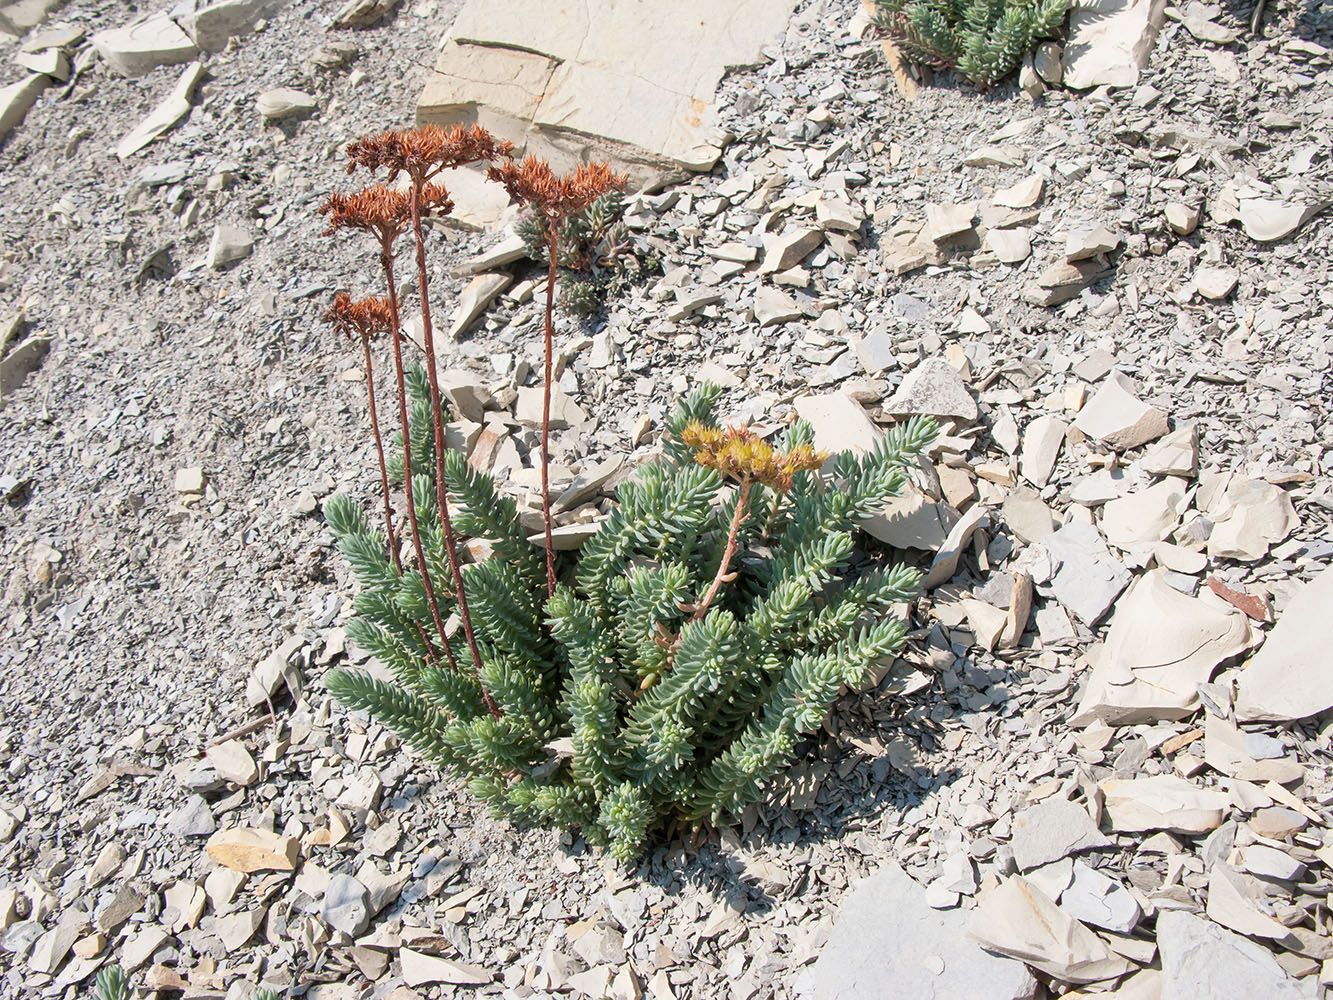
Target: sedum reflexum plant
x,y
665,672
983,40
703,628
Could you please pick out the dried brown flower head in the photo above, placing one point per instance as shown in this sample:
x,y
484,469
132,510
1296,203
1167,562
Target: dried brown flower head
x,y
423,152
532,182
365,318
382,211
743,455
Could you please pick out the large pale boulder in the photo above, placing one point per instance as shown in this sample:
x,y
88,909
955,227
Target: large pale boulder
x,y
632,82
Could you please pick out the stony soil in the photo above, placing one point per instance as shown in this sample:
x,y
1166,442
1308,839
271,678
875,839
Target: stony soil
x,y
134,613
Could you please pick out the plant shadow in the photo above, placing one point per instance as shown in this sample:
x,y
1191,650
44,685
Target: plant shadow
x,y
880,769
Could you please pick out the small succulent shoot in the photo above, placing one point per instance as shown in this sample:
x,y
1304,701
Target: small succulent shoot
x,y
110,984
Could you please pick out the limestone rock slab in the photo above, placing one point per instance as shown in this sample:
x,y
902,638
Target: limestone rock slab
x,y
479,293
211,25
934,388
165,115
141,47
1161,646
1163,802
912,520
632,82
1201,959
1116,417
1084,576
1020,920
1250,516
17,98
245,849
17,16
1052,830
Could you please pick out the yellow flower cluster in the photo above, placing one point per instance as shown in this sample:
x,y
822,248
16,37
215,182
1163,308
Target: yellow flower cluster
x,y
743,455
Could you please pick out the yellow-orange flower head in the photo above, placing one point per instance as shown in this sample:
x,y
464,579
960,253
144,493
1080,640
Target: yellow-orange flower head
x,y
741,454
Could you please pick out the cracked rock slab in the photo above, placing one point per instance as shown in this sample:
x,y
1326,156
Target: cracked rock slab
x,y
599,79
1052,830
1020,920
1162,645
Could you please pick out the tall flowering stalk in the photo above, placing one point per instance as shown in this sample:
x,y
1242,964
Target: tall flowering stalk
x,y
554,199
422,154
385,215
366,319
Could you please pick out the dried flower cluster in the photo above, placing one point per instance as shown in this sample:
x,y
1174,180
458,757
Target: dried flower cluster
x,y
532,182
378,210
423,152
555,199
366,318
387,213
741,454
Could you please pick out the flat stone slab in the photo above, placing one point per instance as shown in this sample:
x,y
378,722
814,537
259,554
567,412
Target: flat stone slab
x,y
1162,645
142,46
888,944
635,83
17,98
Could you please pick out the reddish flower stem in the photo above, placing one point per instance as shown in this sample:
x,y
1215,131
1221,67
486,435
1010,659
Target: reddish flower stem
x,y
386,260
742,508
379,451
552,249
441,493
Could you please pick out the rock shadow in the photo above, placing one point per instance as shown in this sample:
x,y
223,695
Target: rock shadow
x,y
1312,22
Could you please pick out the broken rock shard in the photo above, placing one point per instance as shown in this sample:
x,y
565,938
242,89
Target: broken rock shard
x,y
1162,645
876,947
1289,678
